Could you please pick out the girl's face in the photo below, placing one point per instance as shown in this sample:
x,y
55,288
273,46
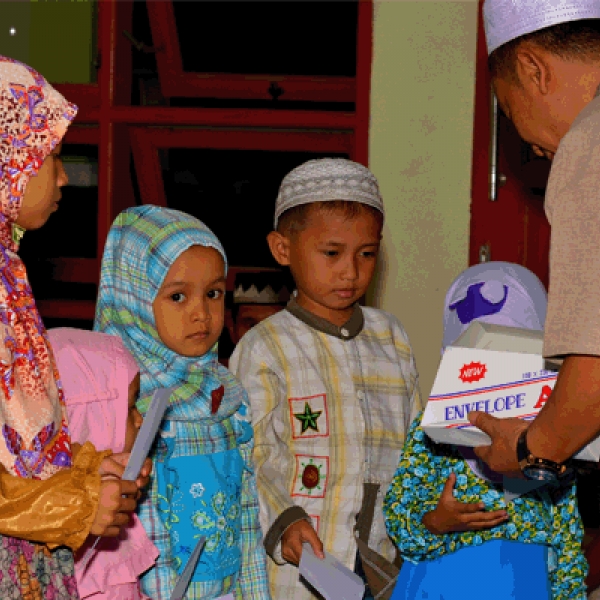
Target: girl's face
x,y
42,192
189,309
134,419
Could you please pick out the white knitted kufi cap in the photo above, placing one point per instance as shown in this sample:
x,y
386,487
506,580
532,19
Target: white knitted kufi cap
x,y
506,20
328,179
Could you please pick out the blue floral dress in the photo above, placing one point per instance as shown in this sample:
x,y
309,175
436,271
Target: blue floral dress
x,y
540,542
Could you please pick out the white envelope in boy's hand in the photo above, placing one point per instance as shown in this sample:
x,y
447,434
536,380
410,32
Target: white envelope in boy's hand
x,y
332,579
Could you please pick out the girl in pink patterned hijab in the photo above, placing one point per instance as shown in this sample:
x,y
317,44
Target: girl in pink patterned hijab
x,y
51,498
101,383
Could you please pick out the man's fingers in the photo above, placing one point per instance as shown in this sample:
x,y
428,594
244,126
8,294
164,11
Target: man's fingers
x,y
483,452
483,421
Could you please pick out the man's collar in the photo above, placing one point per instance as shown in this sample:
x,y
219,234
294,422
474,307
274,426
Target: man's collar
x,y
349,330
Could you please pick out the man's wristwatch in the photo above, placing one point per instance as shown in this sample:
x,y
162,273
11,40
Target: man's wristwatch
x,y
538,469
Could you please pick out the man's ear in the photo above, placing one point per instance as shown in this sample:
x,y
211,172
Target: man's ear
x,y
279,245
533,68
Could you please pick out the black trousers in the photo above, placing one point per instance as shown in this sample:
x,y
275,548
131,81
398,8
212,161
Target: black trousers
x,y
588,494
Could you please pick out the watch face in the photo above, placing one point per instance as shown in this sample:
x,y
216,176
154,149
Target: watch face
x,y
537,473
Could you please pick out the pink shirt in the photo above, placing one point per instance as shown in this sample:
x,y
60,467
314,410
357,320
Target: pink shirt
x,y
96,370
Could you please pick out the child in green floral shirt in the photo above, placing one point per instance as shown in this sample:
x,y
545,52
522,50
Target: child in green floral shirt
x,y
446,511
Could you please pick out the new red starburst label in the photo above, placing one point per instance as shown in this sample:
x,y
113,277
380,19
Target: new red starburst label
x,y
474,371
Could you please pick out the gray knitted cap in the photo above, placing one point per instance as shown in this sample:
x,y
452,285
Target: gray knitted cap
x,y
328,179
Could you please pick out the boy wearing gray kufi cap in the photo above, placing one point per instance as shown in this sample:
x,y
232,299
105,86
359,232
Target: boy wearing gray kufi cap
x,y
333,386
544,57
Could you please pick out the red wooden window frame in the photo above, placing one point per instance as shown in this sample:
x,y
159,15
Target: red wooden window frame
x,y
107,119
146,142
177,82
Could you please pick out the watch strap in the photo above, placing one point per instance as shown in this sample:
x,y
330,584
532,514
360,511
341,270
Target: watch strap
x,y
530,463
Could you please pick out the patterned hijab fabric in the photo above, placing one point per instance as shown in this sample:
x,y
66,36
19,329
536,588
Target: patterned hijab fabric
x,y
506,20
501,293
325,180
141,247
35,441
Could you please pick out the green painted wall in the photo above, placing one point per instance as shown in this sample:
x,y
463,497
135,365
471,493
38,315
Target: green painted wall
x,y
15,15
63,38
420,149
55,37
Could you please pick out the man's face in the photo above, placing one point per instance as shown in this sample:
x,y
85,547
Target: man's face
x,y
532,117
544,96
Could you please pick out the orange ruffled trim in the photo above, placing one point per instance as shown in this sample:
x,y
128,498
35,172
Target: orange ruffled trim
x,y
58,511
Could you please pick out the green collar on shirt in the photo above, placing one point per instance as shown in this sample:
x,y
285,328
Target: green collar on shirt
x,y
349,330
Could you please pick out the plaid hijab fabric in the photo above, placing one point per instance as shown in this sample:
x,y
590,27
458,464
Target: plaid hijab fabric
x,y
208,414
142,245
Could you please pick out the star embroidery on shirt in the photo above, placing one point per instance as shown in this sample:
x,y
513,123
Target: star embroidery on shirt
x,y
308,418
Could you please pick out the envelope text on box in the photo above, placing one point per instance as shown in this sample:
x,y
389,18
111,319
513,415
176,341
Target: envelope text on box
x,y
489,405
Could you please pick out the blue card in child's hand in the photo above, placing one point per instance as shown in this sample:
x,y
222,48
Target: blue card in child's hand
x,y
332,579
147,433
141,447
186,575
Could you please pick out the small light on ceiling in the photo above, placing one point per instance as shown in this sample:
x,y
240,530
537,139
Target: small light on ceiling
x,y
12,31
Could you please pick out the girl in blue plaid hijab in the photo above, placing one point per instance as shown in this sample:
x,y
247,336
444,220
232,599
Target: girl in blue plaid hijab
x,y
162,290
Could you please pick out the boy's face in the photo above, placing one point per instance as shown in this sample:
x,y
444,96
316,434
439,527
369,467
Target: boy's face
x,y
189,308
332,260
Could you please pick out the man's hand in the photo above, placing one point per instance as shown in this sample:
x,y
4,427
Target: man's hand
x,y
293,538
501,456
450,515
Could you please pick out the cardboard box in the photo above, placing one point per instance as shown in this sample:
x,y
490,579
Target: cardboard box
x,y
499,370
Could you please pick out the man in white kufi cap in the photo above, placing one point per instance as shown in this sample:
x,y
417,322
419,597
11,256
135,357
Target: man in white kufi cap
x,y
544,57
